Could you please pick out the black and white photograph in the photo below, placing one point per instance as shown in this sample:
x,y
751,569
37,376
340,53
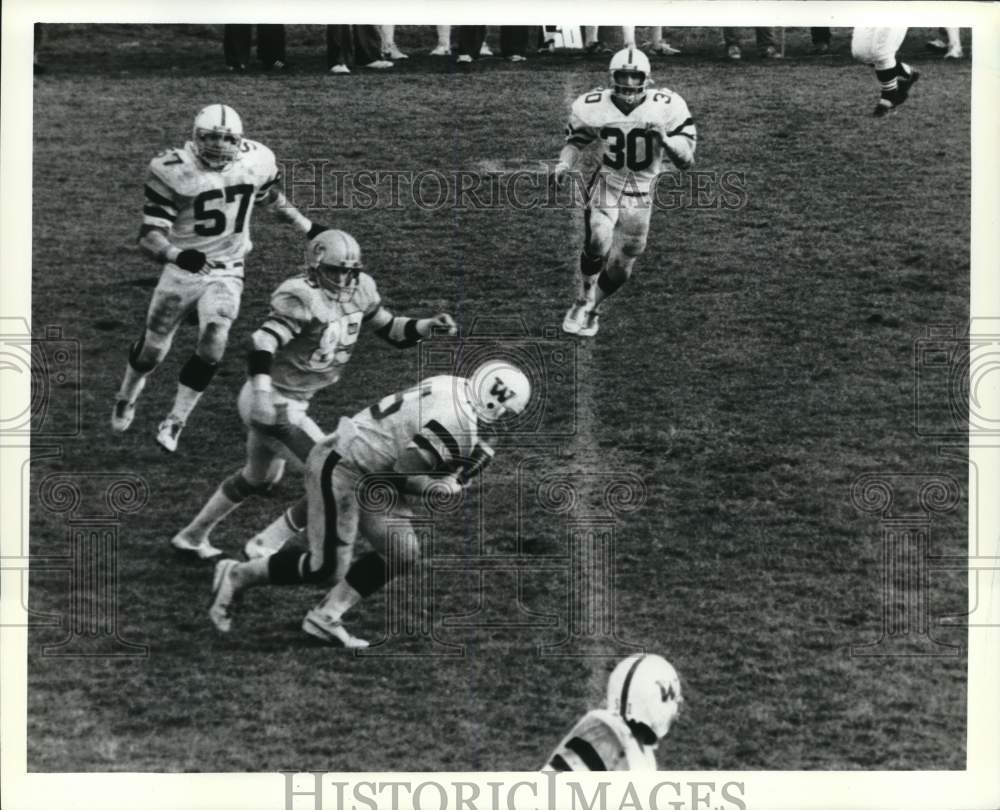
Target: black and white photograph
x,y
396,398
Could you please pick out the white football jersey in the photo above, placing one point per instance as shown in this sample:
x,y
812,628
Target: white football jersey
x,y
434,416
601,741
205,209
316,333
633,149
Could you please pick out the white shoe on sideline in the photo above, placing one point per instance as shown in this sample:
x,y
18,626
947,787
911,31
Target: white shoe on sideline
x,y
441,50
379,64
330,631
392,52
340,69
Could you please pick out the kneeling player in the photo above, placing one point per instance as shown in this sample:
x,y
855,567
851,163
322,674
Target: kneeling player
x,y
640,128
644,698
302,347
407,436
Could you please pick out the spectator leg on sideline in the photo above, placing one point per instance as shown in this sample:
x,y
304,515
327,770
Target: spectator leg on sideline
x,y
767,45
470,41
444,38
514,41
271,45
236,45
820,39
628,36
339,46
367,44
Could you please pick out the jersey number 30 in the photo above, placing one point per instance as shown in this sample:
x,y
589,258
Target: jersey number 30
x,y
624,151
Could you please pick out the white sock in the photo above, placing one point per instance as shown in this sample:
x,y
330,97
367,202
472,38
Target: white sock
x,y
217,507
185,401
279,532
388,36
341,598
132,385
444,36
249,574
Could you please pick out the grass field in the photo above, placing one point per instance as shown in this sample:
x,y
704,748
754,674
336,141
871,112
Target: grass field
x,y
760,360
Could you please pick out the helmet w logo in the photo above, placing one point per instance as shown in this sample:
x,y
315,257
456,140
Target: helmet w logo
x,y
500,391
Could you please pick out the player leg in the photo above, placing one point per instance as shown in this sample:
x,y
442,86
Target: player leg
x,y
175,293
878,47
599,219
218,307
395,551
633,227
332,531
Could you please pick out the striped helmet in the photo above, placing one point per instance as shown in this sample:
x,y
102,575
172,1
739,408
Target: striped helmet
x,y
630,74
217,136
645,691
333,262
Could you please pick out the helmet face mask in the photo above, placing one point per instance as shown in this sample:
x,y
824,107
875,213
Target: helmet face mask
x,y
333,262
217,136
630,72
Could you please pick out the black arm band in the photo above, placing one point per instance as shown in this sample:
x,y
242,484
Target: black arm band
x,y
259,362
411,335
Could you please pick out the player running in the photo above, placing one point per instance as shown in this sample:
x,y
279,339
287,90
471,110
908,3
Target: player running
x,y
196,222
878,47
302,347
414,441
644,699
639,127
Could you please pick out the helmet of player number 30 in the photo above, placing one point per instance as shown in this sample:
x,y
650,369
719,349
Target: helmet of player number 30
x,y
497,388
217,136
645,691
630,73
333,262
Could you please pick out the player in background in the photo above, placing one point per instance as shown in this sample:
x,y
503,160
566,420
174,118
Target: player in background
x,y
640,128
878,47
414,441
644,698
196,222
302,347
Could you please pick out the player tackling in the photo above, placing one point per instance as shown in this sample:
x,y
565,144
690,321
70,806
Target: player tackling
x,y
644,698
641,128
423,439
196,222
302,347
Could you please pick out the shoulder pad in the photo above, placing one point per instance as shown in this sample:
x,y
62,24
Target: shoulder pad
x,y
367,291
254,155
177,170
293,299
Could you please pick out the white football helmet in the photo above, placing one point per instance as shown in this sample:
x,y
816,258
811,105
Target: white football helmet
x,y
645,691
333,262
217,135
630,74
496,388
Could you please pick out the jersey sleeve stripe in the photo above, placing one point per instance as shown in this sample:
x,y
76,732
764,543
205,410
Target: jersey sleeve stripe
x,y
159,213
155,197
422,442
586,752
557,763
446,438
280,330
276,335
677,131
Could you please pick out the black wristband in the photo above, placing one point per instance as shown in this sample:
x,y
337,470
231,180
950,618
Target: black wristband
x,y
259,362
411,334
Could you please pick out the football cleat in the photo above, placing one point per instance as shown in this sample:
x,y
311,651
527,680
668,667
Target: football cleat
x,y
393,52
223,596
441,50
203,550
575,317
883,108
122,415
590,323
255,549
904,84
330,631
169,432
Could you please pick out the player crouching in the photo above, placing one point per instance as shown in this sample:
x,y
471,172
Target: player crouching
x,y
639,128
644,699
406,438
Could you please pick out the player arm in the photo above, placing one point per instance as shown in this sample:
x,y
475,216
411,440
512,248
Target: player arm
x,y
578,136
159,212
431,449
402,331
679,142
270,196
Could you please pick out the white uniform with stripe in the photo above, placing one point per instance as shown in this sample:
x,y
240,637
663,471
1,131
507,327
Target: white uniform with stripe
x,y
877,46
434,417
633,157
207,210
601,741
316,334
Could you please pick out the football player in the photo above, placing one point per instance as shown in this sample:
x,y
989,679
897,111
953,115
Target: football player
x,y
644,698
302,347
420,442
196,223
640,128
878,47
